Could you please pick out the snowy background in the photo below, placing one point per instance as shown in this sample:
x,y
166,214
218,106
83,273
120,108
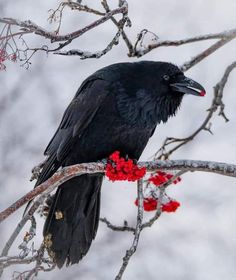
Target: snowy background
x,y
198,242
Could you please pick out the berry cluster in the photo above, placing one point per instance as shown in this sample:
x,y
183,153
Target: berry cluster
x,y
150,204
162,177
170,206
120,169
5,56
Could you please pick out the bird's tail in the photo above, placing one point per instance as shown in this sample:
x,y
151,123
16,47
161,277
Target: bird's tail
x,y
73,219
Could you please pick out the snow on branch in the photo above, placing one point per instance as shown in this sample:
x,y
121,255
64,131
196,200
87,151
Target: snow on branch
x,y
69,172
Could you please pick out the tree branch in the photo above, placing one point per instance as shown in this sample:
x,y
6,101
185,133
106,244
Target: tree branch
x,y
133,248
125,227
85,55
198,58
162,189
69,172
226,35
31,27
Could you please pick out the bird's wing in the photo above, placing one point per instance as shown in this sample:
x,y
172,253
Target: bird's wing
x,y
75,120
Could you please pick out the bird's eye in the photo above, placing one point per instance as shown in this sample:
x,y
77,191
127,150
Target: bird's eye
x,y
166,78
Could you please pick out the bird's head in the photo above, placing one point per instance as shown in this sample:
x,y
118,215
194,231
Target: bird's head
x,y
152,91
171,86
176,83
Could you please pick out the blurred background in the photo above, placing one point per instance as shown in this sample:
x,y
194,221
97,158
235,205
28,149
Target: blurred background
x,y
199,240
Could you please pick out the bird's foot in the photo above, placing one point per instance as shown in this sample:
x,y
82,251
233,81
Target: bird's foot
x,y
103,161
36,170
44,209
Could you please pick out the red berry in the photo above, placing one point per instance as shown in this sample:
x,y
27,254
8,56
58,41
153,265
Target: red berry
x,y
171,206
122,169
149,204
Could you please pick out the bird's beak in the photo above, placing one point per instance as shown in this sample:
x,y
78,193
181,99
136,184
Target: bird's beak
x,y
188,86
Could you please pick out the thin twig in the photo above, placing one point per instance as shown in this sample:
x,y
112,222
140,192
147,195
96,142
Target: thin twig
x,y
82,8
149,223
30,26
20,226
125,227
133,248
124,35
26,27
85,54
219,88
198,58
160,198
38,258
225,35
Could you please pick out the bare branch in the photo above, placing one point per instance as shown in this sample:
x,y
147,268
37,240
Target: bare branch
x,y
85,55
149,223
87,168
225,35
7,41
125,227
20,225
37,258
137,49
219,88
137,232
162,189
195,60
31,27
48,186
124,36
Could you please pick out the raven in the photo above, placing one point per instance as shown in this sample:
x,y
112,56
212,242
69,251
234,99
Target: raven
x,y
116,108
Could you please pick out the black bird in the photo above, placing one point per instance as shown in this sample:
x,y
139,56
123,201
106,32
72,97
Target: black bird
x,y
116,108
